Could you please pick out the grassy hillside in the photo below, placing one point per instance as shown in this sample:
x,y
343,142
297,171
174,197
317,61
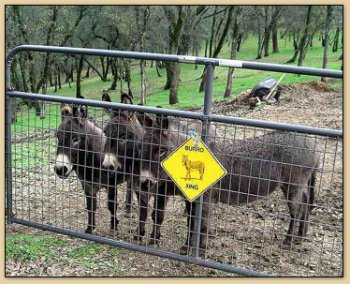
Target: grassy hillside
x,y
190,79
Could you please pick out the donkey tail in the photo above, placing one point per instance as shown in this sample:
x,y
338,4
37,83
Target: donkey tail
x,y
311,185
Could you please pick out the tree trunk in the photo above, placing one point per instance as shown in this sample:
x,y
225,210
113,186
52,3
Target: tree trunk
x,y
206,48
127,74
336,41
296,49
105,68
304,40
102,75
239,42
56,83
168,76
59,78
219,45
234,44
87,74
326,38
143,82
174,84
79,67
23,67
176,24
29,57
157,69
275,41
266,43
115,72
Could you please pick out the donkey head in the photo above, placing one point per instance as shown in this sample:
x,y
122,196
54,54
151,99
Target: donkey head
x,y
71,139
124,132
158,143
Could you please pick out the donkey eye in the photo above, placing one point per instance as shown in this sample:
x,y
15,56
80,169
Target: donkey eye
x,y
75,140
162,152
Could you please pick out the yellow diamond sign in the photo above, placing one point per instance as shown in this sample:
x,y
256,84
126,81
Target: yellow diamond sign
x,y
193,168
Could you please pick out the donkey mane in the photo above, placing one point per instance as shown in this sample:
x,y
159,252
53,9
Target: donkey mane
x,y
96,139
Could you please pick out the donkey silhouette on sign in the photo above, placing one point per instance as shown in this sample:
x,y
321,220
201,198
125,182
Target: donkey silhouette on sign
x,y
192,165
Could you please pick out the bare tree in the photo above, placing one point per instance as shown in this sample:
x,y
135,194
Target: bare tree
x,y
175,19
326,38
214,49
234,45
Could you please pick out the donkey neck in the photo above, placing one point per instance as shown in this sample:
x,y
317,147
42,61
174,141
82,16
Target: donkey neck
x,y
90,158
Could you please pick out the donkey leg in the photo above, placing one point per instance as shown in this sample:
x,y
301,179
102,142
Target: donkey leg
x,y
304,220
128,199
191,240
292,194
185,248
308,203
112,207
143,200
91,205
158,213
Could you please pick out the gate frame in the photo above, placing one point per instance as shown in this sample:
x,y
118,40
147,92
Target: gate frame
x,y
206,117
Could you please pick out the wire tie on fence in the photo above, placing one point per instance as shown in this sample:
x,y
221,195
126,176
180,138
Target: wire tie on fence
x,y
193,134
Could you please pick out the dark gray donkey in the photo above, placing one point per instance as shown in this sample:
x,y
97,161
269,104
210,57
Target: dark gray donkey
x,y
125,133
80,148
256,167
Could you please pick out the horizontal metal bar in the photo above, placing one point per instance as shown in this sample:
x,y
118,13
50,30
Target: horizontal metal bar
x,y
180,58
103,104
278,126
143,249
184,114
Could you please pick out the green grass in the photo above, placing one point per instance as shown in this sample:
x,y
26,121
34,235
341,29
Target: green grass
x,y
190,77
188,93
27,247
51,250
28,122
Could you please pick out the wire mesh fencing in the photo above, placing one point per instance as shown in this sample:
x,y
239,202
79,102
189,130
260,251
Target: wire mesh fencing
x,y
97,171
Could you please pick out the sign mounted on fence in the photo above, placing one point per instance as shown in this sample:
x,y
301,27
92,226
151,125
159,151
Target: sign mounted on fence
x,y
193,168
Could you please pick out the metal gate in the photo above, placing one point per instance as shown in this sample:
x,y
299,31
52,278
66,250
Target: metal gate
x,y
246,239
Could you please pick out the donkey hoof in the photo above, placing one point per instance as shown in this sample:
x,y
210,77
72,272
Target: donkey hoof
x,y
298,240
184,250
153,241
89,230
114,225
287,243
138,238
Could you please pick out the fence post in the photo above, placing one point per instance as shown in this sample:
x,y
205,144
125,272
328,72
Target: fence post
x,y
8,167
205,126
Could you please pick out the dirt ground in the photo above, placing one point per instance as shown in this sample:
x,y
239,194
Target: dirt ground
x,y
248,236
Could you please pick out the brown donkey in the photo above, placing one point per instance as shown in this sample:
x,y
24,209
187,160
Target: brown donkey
x,y
256,168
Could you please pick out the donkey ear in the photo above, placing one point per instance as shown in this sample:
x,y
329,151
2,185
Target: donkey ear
x,y
163,122
83,111
147,120
105,96
126,99
65,111
75,111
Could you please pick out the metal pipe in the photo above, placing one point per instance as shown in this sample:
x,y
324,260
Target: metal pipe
x,y
185,114
8,163
206,123
184,59
143,249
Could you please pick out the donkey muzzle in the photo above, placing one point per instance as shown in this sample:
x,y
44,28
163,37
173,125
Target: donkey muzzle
x,y
111,162
63,166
